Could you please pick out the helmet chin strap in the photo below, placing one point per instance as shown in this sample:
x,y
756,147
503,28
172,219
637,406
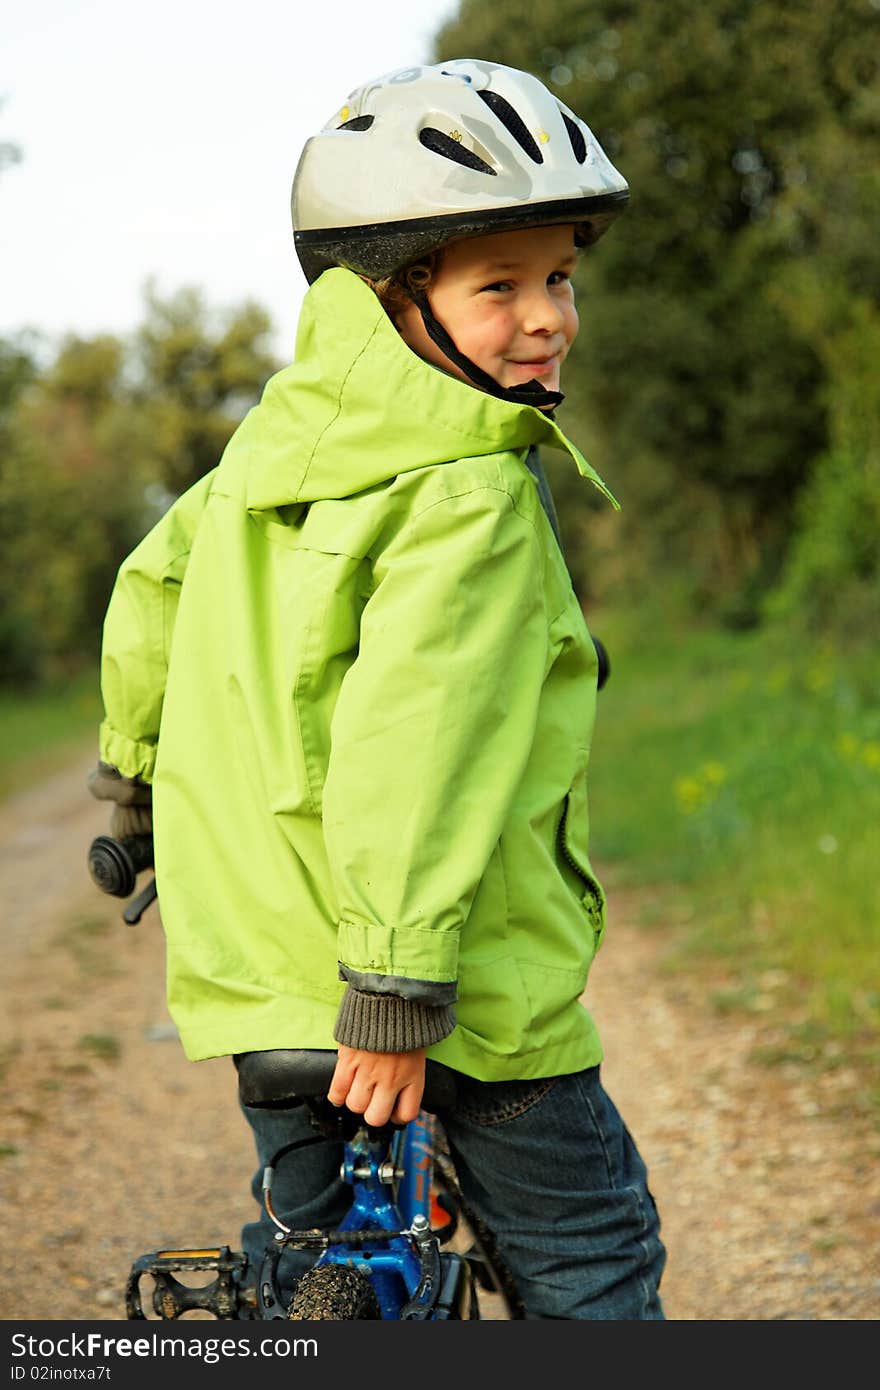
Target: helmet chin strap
x,y
529,393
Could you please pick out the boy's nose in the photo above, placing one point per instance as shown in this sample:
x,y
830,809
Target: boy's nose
x,y
542,314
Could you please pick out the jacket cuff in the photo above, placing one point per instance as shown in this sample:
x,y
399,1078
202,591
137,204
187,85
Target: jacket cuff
x,y
137,757
431,992
388,1023
415,953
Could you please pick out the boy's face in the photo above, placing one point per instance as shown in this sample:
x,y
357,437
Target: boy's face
x,y
507,302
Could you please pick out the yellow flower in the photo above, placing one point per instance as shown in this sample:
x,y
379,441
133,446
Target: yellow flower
x,y
690,794
699,789
778,679
870,753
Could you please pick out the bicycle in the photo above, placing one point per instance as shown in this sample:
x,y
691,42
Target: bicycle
x,y
390,1257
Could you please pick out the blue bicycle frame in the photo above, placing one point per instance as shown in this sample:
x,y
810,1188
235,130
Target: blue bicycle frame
x,y
396,1273
386,1234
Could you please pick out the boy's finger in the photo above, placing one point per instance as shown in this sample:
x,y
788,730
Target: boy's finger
x,y
408,1102
378,1112
341,1083
360,1095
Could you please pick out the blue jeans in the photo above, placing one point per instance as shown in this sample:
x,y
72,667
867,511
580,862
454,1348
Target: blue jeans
x,y
548,1165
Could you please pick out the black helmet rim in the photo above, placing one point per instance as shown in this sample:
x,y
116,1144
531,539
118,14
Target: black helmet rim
x,y
380,249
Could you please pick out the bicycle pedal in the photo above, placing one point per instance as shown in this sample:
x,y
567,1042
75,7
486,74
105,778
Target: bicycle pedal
x,y
225,1296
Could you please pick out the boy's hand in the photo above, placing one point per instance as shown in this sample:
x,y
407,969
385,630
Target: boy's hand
x,y
381,1086
132,812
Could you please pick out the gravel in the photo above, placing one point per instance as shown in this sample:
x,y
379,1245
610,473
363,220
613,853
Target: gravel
x,y
112,1144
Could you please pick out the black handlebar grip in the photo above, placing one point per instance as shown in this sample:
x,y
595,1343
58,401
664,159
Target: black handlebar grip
x,y
115,864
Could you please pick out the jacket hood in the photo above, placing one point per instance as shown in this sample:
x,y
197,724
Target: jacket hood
x,y
357,407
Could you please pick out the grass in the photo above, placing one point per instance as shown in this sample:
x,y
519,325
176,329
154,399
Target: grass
x,y
40,729
84,938
103,1046
740,775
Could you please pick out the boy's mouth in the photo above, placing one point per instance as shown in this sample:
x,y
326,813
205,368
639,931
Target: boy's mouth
x,y
539,367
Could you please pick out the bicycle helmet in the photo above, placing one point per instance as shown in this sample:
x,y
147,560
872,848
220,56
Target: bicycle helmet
x,y
421,156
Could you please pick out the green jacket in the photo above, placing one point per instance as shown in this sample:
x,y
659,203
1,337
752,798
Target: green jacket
x,y
377,693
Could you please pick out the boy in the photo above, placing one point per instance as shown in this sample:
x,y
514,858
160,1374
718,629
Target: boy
x,y
377,689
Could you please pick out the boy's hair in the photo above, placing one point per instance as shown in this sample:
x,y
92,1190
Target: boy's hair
x,y
396,291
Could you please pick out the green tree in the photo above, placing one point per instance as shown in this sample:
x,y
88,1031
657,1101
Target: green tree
x,y
18,368
93,446
746,132
195,375
69,510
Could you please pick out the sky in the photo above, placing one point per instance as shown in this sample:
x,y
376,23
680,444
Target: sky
x,y
160,140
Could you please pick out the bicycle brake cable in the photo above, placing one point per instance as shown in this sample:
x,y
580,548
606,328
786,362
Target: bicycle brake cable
x,y
269,1174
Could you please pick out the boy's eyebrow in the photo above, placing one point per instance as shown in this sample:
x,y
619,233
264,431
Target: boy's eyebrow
x,y
569,259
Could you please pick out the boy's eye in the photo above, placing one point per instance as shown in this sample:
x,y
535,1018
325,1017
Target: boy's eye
x,y
558,277
499,285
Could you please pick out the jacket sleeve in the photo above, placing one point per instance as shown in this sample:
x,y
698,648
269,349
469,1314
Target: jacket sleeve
x,y
137,636
430,738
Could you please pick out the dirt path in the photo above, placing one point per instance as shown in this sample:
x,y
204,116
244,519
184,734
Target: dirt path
x,y
112,1144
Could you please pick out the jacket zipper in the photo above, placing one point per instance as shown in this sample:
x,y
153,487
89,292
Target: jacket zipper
x,y
590,898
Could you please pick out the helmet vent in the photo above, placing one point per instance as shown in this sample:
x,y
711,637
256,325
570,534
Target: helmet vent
x,y
514,123
576,136
357,123
435,140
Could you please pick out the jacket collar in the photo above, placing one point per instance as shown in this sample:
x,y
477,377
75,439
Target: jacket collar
x,y
358,407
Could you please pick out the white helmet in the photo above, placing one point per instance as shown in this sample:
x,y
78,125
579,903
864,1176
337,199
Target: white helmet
x,y
423,155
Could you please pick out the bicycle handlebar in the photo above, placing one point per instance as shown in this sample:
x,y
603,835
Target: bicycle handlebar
x,y
115,864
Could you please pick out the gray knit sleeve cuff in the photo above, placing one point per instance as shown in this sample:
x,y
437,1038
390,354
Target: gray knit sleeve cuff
x,y
388,1023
